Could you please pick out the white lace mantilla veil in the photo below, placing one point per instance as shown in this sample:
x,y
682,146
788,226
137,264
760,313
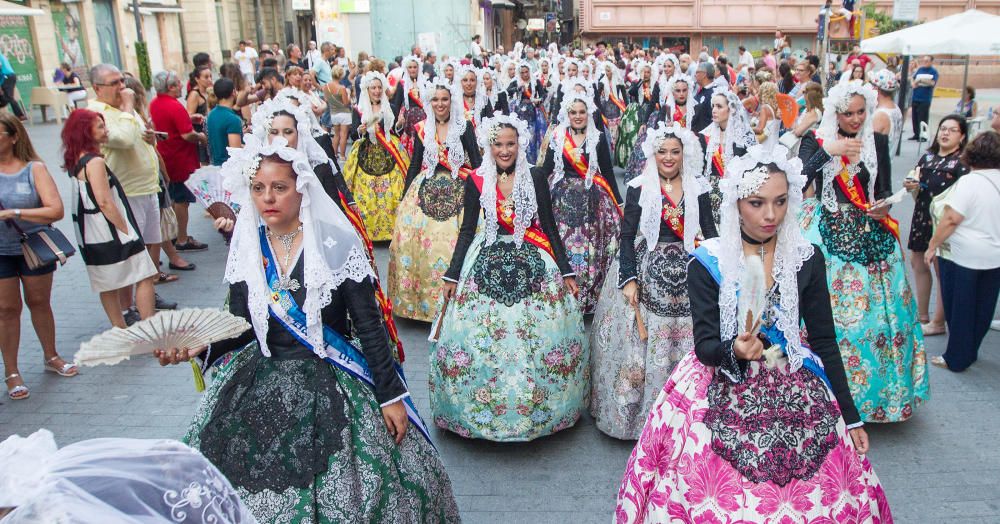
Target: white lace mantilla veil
x,y
610,82
407,82
113,481
303,100
260,124
523,192
835,102
651,198
456,127
666,95
558,139
738,131
689,105
365,105
791,249
331,247
492,97
480,98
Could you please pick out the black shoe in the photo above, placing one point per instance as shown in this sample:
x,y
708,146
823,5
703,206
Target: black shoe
x,y
189,267
913,139
164,304
190,245
131,316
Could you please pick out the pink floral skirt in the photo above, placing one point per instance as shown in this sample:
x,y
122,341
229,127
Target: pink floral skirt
x,y
675,475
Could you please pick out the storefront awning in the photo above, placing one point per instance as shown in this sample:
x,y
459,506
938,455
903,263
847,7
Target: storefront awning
x,y
153,9
12,9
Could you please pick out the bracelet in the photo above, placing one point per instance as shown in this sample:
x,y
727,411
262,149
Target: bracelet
x,y
17,213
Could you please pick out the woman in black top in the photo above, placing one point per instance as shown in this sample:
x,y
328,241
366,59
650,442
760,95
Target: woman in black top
x,y
759,406
668,203
510,362
197,106
937,169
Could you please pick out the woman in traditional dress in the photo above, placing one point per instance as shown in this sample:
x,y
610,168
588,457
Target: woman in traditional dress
x,y
664,69
612,95
308,426
525,95
585,196
728,136
407,101
877,324
493,95
754,425
642,98
629,371
428,218
675,109
376,167
511,363
473,104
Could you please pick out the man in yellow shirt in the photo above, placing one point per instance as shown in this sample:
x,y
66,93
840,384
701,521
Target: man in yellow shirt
x,y
130,154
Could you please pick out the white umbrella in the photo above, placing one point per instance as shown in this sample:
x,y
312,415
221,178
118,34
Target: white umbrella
x,y
10,9
972,32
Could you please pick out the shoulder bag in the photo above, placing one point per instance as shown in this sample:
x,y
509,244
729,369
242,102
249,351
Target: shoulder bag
x,y
43,247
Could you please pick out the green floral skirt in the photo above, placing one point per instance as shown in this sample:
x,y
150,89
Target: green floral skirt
x,y
304,442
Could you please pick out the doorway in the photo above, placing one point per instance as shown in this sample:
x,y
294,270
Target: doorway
x,y
107,32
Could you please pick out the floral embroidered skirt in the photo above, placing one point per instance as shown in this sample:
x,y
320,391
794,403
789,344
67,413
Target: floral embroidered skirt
x,y
411,117
376,182
613,119
589,226
772,449
512,362
637,159
304,442
628,373
874,311
423,241
628,128
534,116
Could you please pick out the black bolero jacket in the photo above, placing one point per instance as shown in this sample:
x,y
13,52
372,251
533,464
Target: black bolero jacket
x,y
472,155
814,309
814,157
604,165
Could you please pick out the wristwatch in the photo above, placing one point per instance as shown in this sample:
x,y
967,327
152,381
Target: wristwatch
x,y
17,213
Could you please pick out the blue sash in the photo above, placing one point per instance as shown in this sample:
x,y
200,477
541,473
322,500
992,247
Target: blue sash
x,y
337,350
775,335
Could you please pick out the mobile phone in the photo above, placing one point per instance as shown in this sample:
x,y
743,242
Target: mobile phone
x,y
162,135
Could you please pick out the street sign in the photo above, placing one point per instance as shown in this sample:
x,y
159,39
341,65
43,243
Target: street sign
x,y
905,10
301,5
535,24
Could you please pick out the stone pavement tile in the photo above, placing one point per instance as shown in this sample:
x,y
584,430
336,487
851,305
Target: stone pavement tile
x,y
943,465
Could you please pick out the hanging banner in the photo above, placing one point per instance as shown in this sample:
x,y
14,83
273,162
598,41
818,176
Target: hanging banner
x,y
72,45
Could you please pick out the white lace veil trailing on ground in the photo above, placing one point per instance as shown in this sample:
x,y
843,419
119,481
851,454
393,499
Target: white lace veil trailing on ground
x,y
523,192
113,481
456,127
264,116
837,101
650,196
332,250
558,139
738,131
365,105
744,176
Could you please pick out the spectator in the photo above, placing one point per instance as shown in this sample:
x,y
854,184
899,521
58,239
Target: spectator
x,y
130,154
108,235
246,58
73,86
322,66
968,107
180,153
686,64
199,60
786,81
924,80
240,85
30,199
968,237
768,60
270,81
197,105
294,58
703,97
477,50
429,69
225,128
313,54
339,103
8,84
782,47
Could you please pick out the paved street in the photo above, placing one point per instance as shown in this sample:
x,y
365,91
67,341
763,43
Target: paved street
x,y
941,466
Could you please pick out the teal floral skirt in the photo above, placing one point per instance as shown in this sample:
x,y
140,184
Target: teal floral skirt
x,y
628,130
304,442
874,311
512,361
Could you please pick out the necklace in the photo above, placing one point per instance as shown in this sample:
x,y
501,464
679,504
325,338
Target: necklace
x,y
285,283
669,185
754,242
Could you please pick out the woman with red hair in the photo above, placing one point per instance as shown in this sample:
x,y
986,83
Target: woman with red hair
x,y
106,231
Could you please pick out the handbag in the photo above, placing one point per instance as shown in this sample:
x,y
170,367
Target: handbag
x,y
43,247
168,218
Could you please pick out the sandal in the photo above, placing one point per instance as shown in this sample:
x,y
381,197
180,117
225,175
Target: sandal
x,y
930,330
66,370
17,392
939,361
166,278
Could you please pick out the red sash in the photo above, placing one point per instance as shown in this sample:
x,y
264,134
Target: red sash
x,y
469,113
674,222
527,92
719,162
385,305
615,100
856,196
463,172
646,92
678,115
402,163
415,99
532,234
580,166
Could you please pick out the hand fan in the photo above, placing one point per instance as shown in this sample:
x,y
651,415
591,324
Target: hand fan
x,y
206,184
788,110
182,328
753,293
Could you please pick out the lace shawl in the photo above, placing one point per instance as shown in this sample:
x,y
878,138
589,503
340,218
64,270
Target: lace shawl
x,y
558,139
651,197
492,96
408,83
835,102
456,127
666,94
331,248
263,117
306,101
365,105
738,132
609,81
479,102
523,192
689,105
792,249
